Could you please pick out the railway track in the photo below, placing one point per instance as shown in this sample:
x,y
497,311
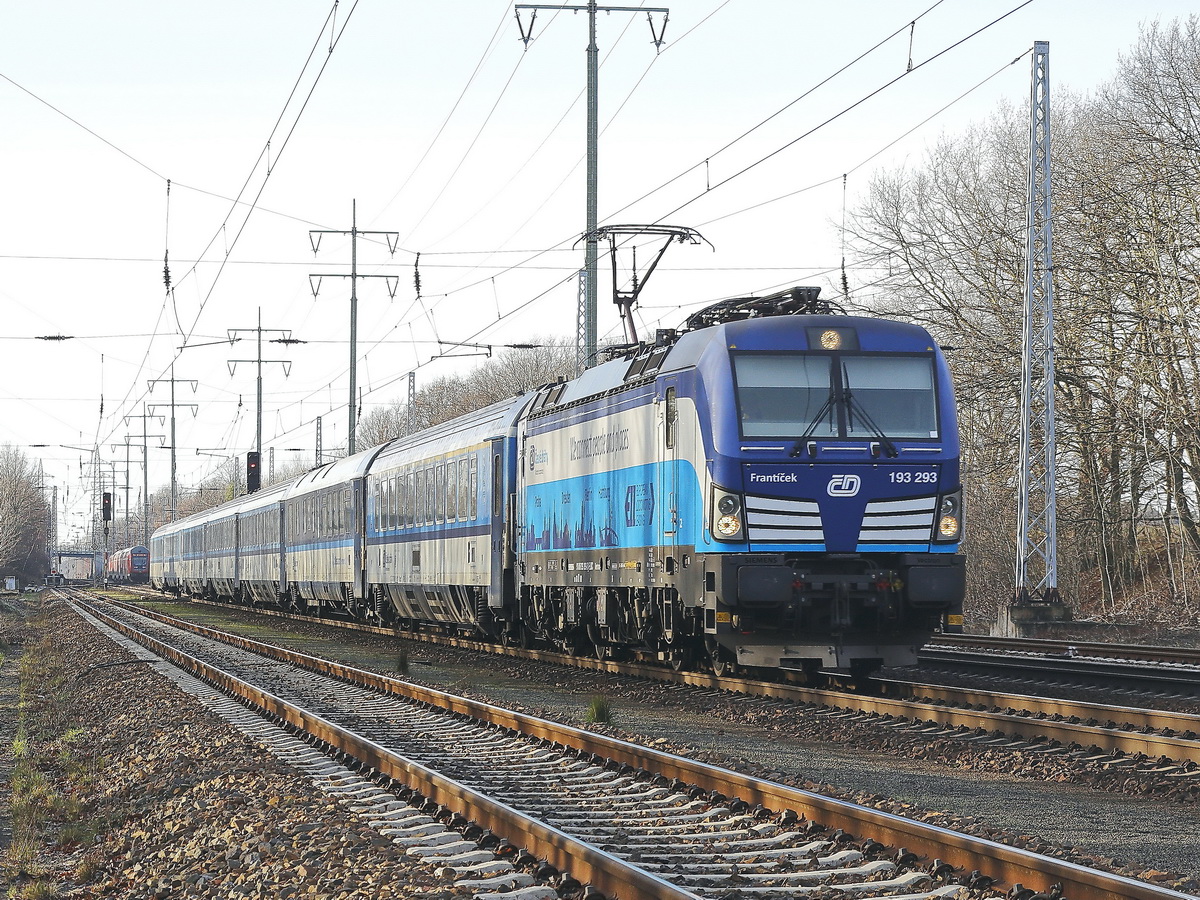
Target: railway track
x,y
1180,656
629,820
1156,743
1118,666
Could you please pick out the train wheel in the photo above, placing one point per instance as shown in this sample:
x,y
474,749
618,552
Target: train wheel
x,y
720,660
680,659
517,636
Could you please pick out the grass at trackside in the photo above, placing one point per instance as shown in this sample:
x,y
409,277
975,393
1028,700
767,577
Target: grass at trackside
x,y
51,767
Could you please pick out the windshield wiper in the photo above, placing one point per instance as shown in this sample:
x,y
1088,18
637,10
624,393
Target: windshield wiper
x,y
827,407
852,405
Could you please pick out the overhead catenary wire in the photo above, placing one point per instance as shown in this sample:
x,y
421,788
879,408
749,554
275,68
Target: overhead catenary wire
x,y
334,39
388,382
846,109
429,262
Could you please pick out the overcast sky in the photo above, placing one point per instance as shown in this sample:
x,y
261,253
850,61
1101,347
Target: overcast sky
x,y
268,119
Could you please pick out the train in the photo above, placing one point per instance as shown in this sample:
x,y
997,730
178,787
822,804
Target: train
x,y
129,565
773,486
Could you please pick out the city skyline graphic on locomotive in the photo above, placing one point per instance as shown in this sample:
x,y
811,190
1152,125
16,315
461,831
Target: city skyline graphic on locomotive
x,y
775,485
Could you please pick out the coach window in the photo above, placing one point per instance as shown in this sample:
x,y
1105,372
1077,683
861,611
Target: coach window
x,y
672,413
451,491
390,511
419,497
430,494
439,502
464,482
381,508
497,486
474,489
386,489
397,496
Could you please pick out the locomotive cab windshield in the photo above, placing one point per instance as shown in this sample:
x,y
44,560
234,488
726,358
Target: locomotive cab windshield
x,y
836,395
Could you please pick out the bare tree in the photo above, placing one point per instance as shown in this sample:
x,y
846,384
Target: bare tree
x,y
948,237
510,374
23,517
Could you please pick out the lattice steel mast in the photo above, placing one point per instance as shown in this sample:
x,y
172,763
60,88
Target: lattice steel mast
x,y
1037,555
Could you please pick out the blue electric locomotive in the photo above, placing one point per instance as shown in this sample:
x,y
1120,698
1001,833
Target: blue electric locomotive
x,y
769,488
776,491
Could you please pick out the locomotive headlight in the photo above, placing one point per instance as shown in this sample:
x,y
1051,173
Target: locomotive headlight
x,y
727,515
729,526
949,518
831,339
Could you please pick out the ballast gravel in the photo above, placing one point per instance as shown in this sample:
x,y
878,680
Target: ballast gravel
x,y
189,807
1084,812
193,808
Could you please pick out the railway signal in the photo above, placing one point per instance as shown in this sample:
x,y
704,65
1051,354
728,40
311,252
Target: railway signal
x,y
253,472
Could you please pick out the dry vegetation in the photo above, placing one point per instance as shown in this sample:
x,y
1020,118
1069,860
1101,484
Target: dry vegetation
x,y
51,771
945,242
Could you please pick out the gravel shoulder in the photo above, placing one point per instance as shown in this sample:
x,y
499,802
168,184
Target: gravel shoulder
x,y
11,636
186,806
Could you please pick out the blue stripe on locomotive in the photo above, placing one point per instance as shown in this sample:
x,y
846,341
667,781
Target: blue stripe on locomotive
x,y
615,509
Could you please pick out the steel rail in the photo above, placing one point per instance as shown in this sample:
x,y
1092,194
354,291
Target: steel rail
x,y
1132,734
1137,717
587,863
1004,863
1181,655
1122,671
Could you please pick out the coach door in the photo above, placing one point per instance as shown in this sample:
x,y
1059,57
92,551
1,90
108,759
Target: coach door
x,y
354,502
492,486
668,473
